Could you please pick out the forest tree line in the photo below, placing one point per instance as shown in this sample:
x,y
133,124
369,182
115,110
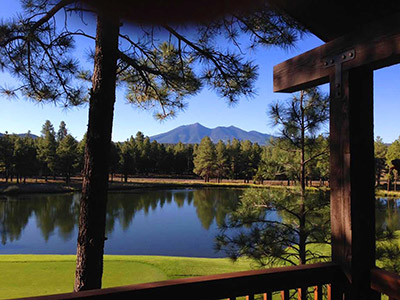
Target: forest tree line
x,y
58,153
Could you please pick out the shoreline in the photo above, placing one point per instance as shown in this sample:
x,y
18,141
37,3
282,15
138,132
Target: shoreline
x,y
12,188
137,184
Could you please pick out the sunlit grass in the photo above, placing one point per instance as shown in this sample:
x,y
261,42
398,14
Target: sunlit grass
x,y
33,275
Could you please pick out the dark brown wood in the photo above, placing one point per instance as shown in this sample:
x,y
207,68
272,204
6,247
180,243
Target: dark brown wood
x,y
174,11
386,283
217,286
376,45
92,216
330,19
352,181
336,290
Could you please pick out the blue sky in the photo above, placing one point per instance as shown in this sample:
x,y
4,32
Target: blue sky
x,y
21,115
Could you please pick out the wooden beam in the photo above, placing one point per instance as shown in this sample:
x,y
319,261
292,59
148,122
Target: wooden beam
x,y
330,19
376,45
352,181
386,283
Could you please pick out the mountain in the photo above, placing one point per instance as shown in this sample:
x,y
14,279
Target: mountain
x,y
192,134
22,135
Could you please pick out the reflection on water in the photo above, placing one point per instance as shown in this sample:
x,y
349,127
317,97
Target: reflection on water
x,y
387,213
172,222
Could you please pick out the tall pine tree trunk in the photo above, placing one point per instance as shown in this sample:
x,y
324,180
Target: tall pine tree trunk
x,y
302,213
91,237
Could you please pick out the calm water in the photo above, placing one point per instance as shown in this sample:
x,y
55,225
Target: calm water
x,y
174,222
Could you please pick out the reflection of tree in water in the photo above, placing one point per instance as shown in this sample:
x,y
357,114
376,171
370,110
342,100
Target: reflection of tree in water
x,y
51,211
210,204
387,214
122,207
14,216
214,204
59,212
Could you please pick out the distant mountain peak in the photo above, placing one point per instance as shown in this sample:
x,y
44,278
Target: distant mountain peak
x,y
193,133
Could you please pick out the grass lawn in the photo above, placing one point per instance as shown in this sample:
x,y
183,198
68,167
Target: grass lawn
x,y
33,275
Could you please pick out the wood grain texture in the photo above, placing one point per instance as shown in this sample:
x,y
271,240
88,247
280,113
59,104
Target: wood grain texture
x,y
330,19
352,181
386,282
376,45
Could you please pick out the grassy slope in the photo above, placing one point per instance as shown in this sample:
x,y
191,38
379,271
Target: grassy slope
x,y
32,275
29,275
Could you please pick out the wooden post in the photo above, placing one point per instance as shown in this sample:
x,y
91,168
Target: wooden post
x,y
352,181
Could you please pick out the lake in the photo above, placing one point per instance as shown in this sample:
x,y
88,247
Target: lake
x,y
180,222
171,222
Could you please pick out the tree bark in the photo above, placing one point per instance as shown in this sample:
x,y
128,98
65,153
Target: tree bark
x,y
91,237
302,213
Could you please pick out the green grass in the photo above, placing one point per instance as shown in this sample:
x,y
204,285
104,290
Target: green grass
x,y
32,275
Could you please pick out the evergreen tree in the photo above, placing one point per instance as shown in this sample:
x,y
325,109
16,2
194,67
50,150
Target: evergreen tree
x,y
380,150
221,161
114,160
235,159
7,155
299,120
162,75
304,217
128,158
81,154
320,166
180,158
250,159
393,154
62,131
24,157
46,149
67,157
205,159
267,224
162,159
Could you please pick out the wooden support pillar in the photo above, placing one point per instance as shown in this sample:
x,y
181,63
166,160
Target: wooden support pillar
x,y
352,181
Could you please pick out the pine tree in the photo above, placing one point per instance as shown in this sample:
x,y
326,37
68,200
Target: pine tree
x,y
157,75
62,131
205,159
380,150
67,157
304,216
114,160
221,161
6,155
235,159
267,224
25,161
46,149
300,119
393,154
